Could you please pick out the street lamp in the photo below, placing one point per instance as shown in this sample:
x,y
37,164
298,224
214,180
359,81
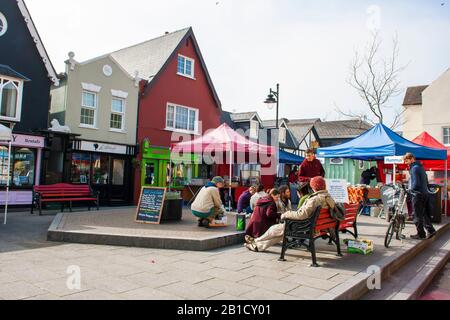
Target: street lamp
x,y
273,100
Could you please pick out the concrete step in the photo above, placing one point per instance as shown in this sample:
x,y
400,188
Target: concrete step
x,y
410,280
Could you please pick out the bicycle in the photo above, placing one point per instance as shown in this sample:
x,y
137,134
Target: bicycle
x,y
398,220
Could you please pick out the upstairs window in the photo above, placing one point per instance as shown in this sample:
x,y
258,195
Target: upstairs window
x,y
283,135
88,109
10,99
254,129
185,66
179,118
446,136
3,24
117,114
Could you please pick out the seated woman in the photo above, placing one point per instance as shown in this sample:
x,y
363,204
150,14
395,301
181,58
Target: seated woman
x,y
275,234
244,201
265,215
208,204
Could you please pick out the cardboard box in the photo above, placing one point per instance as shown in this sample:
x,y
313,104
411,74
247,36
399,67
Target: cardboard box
x,y
364,247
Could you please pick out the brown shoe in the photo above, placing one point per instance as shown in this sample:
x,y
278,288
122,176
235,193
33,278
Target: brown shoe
x,y
251,246
249,239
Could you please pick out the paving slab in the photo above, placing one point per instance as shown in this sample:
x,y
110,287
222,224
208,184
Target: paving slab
x,y
118,227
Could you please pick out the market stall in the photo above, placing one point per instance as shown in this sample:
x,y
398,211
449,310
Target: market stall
x,y
224,146
377,144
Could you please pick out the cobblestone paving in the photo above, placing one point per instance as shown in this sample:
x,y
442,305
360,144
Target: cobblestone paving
x,y
32,268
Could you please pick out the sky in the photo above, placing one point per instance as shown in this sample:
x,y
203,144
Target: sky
x,y
251,45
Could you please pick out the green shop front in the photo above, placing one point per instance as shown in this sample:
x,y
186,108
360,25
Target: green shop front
x,y
158,166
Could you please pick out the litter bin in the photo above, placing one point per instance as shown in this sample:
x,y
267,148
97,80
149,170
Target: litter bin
x,y
434,205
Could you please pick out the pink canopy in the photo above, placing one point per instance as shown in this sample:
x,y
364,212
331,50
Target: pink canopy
x,y
223,139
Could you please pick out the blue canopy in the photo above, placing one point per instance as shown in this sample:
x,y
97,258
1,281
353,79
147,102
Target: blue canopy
x,y
290,158
380,142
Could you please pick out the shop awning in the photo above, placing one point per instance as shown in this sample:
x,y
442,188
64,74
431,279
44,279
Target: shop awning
x,y
290,158
425,139
222,139
380,142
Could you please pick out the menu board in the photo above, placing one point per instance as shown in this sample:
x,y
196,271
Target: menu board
x,y
151,205
338,190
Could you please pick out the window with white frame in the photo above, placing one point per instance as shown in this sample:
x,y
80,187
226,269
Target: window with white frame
x,y
181,118
254,129
88,109
283,134
10,98
446,136
185,66
117,114
3,24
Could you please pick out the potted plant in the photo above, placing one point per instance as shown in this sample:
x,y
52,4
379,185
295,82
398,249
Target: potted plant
x,y
173,207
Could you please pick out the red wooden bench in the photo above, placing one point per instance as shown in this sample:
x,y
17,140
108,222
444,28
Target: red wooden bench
x,y
305,233
63,193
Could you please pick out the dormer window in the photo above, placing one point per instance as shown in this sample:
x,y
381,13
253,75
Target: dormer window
x,y
283,135
254,129
10,98
186,66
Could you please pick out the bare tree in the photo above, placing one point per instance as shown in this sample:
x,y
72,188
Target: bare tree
x,y
377,80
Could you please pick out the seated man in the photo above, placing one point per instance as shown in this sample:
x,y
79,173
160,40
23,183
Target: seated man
x,y
244,201
284,204
208,204
275,234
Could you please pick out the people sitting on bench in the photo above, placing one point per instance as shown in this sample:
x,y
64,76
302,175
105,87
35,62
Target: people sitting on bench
x,y
208,204
284,204
275,234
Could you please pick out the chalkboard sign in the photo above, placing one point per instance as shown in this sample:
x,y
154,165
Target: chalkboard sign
x,y
151,205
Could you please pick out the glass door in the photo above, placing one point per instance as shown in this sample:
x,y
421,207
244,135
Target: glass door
x,y
150,172
118,180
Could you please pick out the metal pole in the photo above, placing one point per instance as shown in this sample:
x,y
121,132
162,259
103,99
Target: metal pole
x,y
231,173
278,106
395,170
446,187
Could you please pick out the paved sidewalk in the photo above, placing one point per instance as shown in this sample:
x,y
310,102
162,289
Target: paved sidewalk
x,y
32,268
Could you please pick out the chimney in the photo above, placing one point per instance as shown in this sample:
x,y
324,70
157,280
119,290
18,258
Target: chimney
x,y
166,33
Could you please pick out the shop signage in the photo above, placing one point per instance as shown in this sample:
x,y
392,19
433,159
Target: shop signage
x,y
338,190
103,147
151,205
19,140
393,160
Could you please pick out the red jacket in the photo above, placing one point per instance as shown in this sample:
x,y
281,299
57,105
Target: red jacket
x,y
264,216
309,170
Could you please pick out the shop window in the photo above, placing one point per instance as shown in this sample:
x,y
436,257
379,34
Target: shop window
x,y
150,174
181,118
185,66
3,166
22,170
10,96
100,167
88,109
117,114
81,168
447,136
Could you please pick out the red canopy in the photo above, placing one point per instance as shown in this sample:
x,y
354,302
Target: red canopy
x,y
223,139
427,140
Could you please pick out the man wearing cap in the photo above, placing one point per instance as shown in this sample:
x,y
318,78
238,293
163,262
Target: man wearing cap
x,y
208,204
275,234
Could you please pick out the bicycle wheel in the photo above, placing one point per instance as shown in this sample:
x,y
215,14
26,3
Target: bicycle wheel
x,y
389,234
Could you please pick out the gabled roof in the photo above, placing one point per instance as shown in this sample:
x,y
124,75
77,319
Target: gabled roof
x,y
344,129
37,40
9,72
413,96
150,58
225,117
273,123
244,116
301,127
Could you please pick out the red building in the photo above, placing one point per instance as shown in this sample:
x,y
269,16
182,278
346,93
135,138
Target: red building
x,y
177,96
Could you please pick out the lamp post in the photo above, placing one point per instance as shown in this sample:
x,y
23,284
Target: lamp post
x,y
273,99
